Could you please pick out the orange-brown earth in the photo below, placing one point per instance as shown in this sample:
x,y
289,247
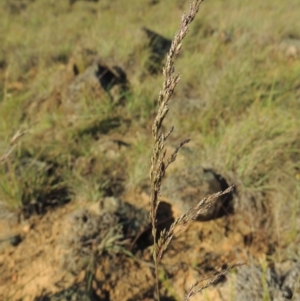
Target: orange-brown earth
x,y
34,268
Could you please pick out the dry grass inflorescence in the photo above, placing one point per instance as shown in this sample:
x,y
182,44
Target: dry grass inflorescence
x,y
160,161
78,96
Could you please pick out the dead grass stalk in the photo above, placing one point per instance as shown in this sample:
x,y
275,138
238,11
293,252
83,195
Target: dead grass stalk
x,y
160,161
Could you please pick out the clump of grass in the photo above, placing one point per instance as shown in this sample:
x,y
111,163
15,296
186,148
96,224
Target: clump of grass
x,y
160,161
32,183
89,236
12,144
9,192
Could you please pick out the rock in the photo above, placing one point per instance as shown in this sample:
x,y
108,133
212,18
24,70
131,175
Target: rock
x,y
111,147
291,283
249,282
13,240
132,218
80,60
84,77
97,81
252,282
290,47
17,6
158,48
184,189
71,2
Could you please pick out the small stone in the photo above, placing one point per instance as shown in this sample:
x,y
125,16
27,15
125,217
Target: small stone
x,y
15,240
26,228
185,189
287,292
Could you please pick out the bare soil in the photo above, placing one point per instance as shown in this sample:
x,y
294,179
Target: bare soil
x,y
34,269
